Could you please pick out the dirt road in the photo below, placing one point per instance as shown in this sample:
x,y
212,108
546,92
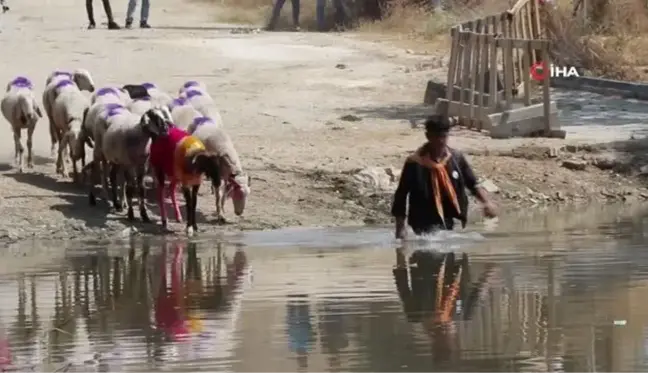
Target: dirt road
x,y
302,109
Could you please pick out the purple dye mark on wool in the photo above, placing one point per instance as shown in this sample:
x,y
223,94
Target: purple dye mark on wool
x,y
113,112
21,82
191,83
193,93
64,83
178,102
112,107
148,85
107,91
201,120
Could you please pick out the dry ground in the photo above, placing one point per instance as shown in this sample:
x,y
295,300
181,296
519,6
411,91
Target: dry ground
x,y
302,108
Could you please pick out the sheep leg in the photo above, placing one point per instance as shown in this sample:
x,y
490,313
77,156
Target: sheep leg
x,y
128,180
189,206
113,187
75,170
53,131
174,202
105,175
93,171
60,165
30,153
142,195
220,219
18,154
159,175
194,204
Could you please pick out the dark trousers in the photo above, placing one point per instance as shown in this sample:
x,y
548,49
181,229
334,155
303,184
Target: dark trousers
x,y
419,230
340,13
107,9
277,10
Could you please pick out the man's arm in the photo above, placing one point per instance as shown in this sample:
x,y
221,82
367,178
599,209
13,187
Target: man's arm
x,y
470,180
399,205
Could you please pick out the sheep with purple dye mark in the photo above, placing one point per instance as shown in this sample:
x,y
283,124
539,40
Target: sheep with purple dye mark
x,y
141,105
192,84
126,147
235,182
182,113
68,112
57,82
110,95
202,102
20,109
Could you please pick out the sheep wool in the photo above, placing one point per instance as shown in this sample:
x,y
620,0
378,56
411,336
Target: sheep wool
x,y
169,153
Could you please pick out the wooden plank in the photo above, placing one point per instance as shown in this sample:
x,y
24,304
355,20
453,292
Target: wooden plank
x,y
474,69
492,46
483,45
526,69
460,56
452,64
465,78
507,53
537,34
517,72
546,99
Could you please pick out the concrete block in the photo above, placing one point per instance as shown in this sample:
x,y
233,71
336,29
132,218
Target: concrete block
x,y
523,122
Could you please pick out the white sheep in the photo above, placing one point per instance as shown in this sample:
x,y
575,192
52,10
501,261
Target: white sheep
x,y
68,112
57,82
95,125
20,109
108,95
192,84
236,183
126,147
158,96
203,102
183,114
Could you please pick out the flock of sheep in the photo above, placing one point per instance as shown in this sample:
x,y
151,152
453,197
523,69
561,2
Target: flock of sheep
x,y
132,130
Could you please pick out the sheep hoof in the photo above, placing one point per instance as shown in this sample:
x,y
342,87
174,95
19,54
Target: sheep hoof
x,y
221,220
131,215
190,231
118,207
145,217
20,170
195,228
92,200
30,165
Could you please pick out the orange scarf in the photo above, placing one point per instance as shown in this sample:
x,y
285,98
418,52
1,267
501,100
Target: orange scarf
x,y
440,179
185,147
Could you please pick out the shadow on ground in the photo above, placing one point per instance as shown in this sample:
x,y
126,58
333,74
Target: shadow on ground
x,y
415,114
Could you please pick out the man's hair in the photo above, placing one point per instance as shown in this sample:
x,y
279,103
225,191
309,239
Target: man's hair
x,y
437,124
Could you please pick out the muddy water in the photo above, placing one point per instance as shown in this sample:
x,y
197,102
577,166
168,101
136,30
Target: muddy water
x,y
562,292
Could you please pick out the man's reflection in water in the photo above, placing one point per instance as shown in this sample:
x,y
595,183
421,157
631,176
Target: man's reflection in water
x,y
301,334
437,292
169,313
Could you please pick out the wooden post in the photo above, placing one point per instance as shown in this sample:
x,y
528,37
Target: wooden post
x,y
452,64
546,85
492,91
526,71
507,51
474,69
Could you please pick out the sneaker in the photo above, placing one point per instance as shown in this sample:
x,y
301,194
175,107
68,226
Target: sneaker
x,y
113,26
143,24
92,26
129,23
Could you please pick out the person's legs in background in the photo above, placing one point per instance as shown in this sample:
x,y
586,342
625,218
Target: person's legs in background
x,y
144,14
5,7
112,25
276,11
132,4
341,17
320,13
90,11
295,14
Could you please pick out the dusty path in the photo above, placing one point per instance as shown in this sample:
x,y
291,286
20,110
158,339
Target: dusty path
x,y
283,97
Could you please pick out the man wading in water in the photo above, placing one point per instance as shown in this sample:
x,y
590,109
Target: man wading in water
x,y
435,178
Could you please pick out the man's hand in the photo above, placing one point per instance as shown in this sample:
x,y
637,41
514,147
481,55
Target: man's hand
x,y
489,209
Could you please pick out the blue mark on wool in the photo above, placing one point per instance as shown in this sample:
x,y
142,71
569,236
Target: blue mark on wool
x,y
148,85
64,83
201,120
191,83
193,93
107,91
113,112
21,82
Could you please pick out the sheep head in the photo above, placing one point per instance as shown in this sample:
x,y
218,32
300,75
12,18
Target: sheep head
x,y
156,122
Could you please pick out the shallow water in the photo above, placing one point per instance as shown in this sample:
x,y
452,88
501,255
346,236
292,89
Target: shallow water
x,y
560,292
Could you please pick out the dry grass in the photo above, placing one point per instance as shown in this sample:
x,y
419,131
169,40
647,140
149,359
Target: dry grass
x,y
613,44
